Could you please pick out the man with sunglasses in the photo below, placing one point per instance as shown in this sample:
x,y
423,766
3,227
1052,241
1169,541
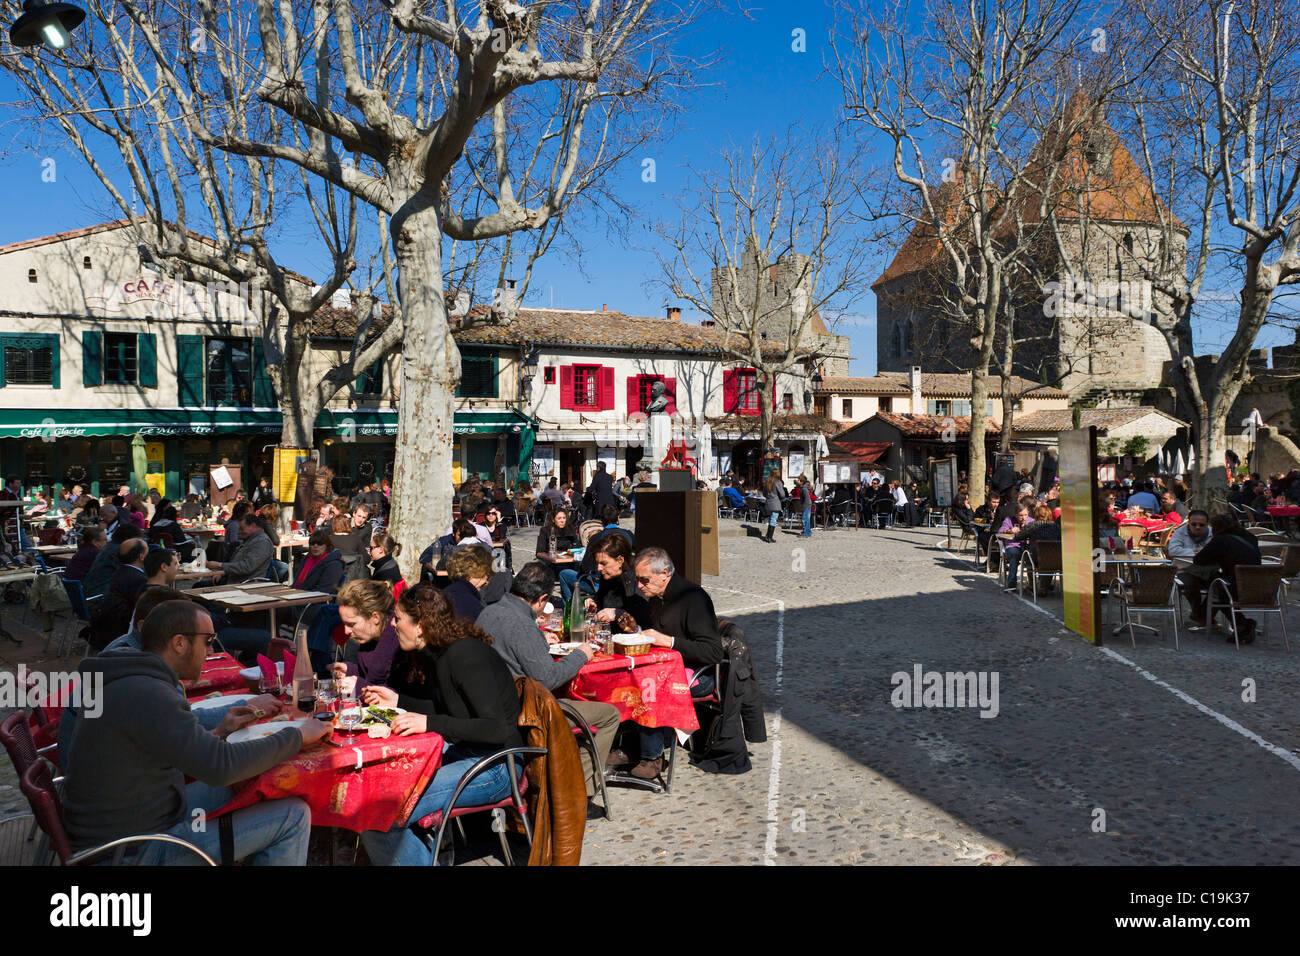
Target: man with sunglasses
x,y
127,761
682,618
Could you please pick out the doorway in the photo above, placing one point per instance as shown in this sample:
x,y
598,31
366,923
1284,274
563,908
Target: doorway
x,y
747,463
572,464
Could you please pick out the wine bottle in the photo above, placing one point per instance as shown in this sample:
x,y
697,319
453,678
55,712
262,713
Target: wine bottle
x,y
564,624
577,619
304,680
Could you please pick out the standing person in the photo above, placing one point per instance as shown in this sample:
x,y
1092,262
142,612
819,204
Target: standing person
x,y
262,494
774,502
601,489
472,702
805,492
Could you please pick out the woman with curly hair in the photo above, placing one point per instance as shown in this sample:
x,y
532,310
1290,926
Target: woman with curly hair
x,y
474,706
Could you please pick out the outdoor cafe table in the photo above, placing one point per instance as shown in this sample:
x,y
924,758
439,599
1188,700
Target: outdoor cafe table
x,y
271,598
650,689
220,674
365,783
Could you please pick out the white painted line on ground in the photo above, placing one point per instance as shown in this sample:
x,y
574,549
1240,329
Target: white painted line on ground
x,y
1227,721
774,774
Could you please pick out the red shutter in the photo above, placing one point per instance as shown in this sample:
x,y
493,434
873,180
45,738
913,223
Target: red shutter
x,y
670,385
566,386
633,394
607,403
729,391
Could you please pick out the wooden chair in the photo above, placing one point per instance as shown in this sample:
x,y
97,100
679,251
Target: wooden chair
x,y
1158,541
1132,534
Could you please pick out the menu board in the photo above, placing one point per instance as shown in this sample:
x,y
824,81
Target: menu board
x,y
543,459
944,471
840,472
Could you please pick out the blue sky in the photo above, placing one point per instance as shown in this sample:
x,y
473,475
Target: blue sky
x,y
761,87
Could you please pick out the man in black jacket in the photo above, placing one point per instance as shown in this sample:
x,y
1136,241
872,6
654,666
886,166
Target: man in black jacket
x,y
601,489
1230,545
681,618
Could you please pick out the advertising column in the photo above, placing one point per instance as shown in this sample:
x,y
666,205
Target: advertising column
x,y
1078,474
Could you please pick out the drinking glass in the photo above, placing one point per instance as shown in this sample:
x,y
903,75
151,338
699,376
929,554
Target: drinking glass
x,y
327,696
349,711
266,686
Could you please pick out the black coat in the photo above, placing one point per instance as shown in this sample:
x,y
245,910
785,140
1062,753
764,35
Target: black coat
x,y
385,569
622,594
601,490
685,613
325,575
741,720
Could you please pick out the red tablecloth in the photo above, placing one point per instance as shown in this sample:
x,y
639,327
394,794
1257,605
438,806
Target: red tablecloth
x,y
1151,524
651,689
1285,511
221,674
394,774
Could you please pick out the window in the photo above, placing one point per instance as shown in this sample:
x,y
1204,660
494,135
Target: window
x,y
30,360
644,392
371,380
938,407
31,275
886,405
586,386
478,375
85,262
787,400
230,372
846,408
549,375
120,358
747,394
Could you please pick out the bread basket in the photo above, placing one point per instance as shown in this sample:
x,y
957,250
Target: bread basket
x,y
633,645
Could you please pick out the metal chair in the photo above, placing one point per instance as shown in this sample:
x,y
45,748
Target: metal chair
x,y
1259,591
1154,590
586,738
80,612
1047,563
967,534
1290,565
935,516
882,508
433,827
39,788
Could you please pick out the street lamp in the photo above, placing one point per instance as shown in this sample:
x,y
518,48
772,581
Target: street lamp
x,y
45,22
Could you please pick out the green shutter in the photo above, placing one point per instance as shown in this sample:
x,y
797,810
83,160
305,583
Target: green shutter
x,y
496,367
263,394
190,371
2,362
92,359
54,359
146,360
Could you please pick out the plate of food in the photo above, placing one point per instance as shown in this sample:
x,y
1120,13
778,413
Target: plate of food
x,y
564,649
272,726
372,716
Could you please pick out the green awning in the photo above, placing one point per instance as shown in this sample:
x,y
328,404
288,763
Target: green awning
x,y
369,422
55,423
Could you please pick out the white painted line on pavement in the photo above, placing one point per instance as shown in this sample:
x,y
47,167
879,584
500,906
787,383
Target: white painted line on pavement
x,y
774,774
1227,721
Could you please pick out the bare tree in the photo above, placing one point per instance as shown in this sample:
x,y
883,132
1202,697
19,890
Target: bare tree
x,y
1217,124
782,210
960,84
422,110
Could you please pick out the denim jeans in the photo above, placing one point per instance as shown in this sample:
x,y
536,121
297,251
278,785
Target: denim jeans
x,y
568,578
807,523
1011,554
400,846
655,740
237,639
772,519
270,833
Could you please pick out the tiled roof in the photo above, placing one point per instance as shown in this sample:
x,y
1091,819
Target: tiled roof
x,y
934,384
1082,187
782,423
143,222
1057,420
866,452
928,426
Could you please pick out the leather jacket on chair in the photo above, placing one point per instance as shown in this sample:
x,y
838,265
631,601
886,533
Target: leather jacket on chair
x,y
558,789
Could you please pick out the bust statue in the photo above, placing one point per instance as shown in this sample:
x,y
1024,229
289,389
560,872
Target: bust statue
x,y
658,398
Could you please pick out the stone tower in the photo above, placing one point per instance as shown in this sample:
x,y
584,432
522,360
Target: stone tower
x,y
1087,316
782,286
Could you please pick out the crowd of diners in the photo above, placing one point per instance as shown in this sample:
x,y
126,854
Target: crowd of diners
x,y
445,648
1206,547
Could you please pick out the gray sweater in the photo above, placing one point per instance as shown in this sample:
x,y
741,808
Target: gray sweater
x,y
126,767
518,639
254,554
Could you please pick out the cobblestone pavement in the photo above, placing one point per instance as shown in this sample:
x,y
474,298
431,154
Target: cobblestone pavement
x,y
1160,741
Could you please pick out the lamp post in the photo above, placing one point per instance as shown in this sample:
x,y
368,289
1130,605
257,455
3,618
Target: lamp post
x,y
45,22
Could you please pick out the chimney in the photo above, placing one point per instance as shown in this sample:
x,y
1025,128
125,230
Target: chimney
x,y
341,299
674,314
914,382
602,307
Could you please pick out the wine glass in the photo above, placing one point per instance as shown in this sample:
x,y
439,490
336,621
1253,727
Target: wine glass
x,y
349,711
327,696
